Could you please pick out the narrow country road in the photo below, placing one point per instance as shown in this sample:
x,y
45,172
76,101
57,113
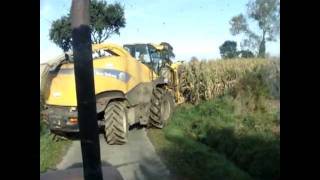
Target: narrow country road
x,y
136,160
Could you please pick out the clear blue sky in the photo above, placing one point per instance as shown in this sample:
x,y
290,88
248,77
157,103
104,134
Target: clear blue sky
x,y
192,27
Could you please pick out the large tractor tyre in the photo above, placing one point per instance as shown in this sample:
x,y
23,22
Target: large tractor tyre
x,y
162,106
116,123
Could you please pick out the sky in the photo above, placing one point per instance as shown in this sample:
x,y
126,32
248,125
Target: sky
x,y
193,27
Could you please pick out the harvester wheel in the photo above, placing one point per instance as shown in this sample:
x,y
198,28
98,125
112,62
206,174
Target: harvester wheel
x,y
162,105
116,123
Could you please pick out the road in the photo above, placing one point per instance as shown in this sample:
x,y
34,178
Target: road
x,y
136,160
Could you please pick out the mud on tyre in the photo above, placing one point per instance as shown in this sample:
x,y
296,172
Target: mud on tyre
x,y
116,123
162,105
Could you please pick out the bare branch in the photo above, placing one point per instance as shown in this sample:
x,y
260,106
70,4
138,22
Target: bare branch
x,y
93,34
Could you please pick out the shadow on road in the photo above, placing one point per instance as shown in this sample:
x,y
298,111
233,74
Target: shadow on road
x,y
103,163
76,136
79,165
76,172
135,160
143,172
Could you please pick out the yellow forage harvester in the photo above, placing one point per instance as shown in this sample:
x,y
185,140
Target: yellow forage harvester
x,y
134,83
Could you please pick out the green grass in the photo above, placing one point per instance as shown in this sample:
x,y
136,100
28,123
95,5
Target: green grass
x,y
189,159
234,136
51,152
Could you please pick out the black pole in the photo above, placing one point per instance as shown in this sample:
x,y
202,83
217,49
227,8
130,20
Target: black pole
x,y
86,102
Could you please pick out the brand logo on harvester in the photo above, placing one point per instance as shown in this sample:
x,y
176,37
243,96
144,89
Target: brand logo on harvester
x,y
120,75
123,76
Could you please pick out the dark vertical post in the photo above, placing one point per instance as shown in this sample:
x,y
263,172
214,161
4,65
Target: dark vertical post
x,y
86,102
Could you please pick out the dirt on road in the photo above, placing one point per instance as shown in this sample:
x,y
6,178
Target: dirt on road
x,y
136,160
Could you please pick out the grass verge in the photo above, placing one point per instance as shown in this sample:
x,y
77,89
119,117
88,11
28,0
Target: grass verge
x,y
51,152
234,136
188,159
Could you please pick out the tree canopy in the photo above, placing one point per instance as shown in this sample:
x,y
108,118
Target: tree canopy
x,y
105,20
167,53
245,54
228,50
266,13
60,33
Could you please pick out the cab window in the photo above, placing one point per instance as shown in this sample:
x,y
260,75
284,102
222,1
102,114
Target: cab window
x,y
156,59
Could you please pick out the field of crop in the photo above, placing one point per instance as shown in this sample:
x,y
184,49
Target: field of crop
x,y
230,127
204,80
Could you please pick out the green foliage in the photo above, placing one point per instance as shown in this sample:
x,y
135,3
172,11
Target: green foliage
x,y
42,125
168,50
167,53
60,33
188,159
228,50
209,79
51,152
245,54
237,132
238,24
241,128
194,59
267,15
105,20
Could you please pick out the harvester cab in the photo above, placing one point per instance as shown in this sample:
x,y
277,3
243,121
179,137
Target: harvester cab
x,y
146,54
158,57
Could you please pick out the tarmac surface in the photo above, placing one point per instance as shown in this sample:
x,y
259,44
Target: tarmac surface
x,y
135,160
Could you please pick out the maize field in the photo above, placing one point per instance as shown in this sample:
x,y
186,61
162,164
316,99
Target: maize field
x,y
207,79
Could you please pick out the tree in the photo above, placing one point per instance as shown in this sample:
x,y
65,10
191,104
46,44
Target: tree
x,y
245,54
228,49
194,59
267,14
105,20
167,52
60,33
